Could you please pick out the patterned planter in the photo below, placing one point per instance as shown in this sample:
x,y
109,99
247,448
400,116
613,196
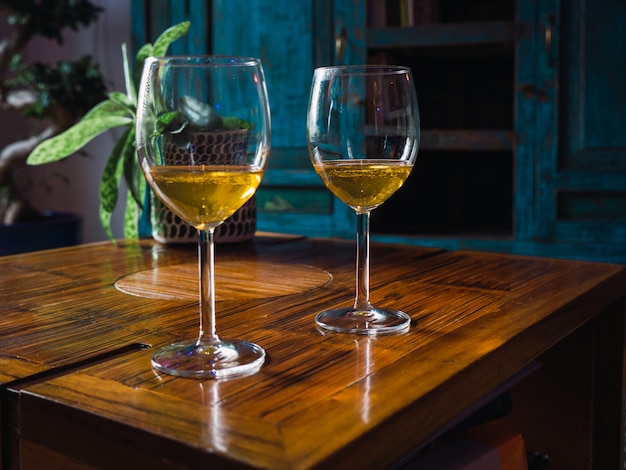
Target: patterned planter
x,y
218,148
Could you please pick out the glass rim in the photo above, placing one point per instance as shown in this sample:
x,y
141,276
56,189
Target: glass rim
x,y
364,69
206,60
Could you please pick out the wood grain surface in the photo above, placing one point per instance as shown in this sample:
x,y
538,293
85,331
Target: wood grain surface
x,y
321,400
233,280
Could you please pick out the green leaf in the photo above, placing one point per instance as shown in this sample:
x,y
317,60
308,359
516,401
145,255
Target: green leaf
x,y
232,123
170,123
199,113
143,187
131,91
132,172
131,216
168,36
104,109
123,100
101,118
160,47
111,177
144,52
105,221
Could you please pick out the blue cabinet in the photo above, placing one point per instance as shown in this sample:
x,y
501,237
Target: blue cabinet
x,y
576,114
289,38
523,107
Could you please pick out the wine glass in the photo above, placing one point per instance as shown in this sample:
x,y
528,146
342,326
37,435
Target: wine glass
x,y
363,136
203,140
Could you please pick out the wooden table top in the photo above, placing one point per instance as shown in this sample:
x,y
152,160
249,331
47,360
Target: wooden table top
x,y
76,323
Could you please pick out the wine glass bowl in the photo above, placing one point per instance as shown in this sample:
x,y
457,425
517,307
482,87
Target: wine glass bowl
x,y
203,139
363,137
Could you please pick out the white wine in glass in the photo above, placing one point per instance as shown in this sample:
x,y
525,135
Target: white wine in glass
x,y
363,137
203,140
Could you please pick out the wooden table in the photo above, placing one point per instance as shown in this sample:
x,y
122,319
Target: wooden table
x,y
78,326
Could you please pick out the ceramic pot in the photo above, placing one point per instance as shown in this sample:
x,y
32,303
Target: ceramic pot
x,y
221,148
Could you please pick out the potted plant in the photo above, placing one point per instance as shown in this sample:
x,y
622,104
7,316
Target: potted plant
x,y
219,140
50,98
119,111
116,111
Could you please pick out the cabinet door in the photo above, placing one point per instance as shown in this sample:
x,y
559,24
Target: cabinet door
x,y
460,193
151,17
291,39
567,144
580,166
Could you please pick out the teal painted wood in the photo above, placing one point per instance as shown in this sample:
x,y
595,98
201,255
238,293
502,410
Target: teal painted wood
x,y
463,139
488,32
138,25
179,13
590,162
322,26
609,235
151,17
350,30
350,40
281,33
524,124
609,253
595,90
579,156
546,118
197,39
607,206
160,17
570,166
591,179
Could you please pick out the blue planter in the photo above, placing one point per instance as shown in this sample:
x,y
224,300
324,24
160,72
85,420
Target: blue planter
x,y
51,230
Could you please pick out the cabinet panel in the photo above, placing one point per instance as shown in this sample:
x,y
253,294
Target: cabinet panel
x,y
280,35
151,17
288,37
587,177
593,91
523,106
463,59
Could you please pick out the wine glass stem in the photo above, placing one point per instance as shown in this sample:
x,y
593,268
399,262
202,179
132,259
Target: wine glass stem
x,y
206,255
362,300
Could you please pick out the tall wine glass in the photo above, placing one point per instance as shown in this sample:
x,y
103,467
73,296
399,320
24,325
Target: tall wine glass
x,y
203,140
363,136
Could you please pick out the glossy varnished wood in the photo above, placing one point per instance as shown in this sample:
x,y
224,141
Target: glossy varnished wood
x,y
321,400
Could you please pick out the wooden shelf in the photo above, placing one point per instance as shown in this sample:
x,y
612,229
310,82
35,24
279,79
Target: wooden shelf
x,y
469,140
443,34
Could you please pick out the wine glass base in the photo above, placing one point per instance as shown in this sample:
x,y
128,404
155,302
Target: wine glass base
x,y
224,360
378,321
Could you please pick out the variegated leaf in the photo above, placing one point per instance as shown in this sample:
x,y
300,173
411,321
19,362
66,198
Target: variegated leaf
x,y
123,100
101,118
168,36
131,218
132,172
110,182
144,52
